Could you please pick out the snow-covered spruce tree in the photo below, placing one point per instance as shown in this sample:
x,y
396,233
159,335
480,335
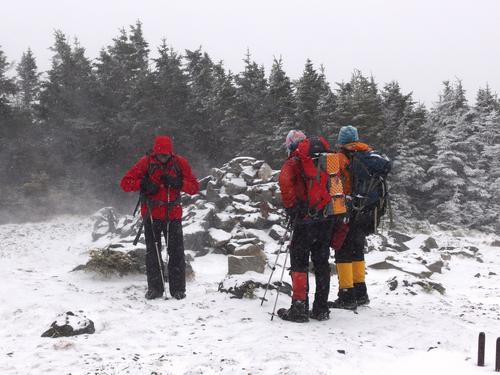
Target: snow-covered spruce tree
x,y
170,92
307,98
447,178
28,82
415,152
359,103
251,108
483,190
7,86
326,108
222,99
199,131
123,75
281,111
397,109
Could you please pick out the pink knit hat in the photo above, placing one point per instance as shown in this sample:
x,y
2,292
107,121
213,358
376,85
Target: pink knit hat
x,y
293,139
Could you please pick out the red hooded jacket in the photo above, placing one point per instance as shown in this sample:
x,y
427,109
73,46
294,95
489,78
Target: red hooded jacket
x,y
291,181
176,166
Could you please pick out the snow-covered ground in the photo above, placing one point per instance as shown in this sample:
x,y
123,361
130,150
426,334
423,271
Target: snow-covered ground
x,y
208,332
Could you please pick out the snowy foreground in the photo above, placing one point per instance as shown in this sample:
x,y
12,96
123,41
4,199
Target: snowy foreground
x,y
208,332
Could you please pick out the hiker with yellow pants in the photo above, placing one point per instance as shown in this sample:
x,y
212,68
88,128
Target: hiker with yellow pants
x,y
350,258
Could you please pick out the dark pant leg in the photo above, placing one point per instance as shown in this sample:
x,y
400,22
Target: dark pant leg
x,y
299,248
320,255
176,259
299,263
353,247
153,233
357,244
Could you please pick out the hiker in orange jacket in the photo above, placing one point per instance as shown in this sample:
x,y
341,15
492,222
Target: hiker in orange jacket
x,y
349,258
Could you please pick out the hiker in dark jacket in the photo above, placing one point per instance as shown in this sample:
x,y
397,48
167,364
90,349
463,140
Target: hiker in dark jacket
x,y
350,258
160,177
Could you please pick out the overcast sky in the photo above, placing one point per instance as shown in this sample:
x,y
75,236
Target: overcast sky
x,y
420,43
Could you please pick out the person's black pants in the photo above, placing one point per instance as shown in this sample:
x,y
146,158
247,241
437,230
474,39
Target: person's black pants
x,y
313,238
176,262
353,248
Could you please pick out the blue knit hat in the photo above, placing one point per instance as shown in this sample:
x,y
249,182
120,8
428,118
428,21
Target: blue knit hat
x,y
347,134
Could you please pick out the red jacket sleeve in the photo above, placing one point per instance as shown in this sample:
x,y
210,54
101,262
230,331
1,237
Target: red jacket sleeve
x,y
287,182
132,179
190,184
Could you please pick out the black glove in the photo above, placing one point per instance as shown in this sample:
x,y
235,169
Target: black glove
x,y
174,182
148,187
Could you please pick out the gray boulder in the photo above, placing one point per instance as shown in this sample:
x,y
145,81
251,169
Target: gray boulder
x,y
218,237
430,243
250,249
195,237
238,265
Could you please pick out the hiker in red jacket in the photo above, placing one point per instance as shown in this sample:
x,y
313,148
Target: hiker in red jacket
x,y
160,177
311,237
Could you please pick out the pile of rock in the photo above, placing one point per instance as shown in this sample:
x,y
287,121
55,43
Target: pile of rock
x,y
236,213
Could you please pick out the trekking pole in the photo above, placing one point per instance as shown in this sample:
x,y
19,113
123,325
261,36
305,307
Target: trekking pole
x,y
281,282
158,250
282,242
168,226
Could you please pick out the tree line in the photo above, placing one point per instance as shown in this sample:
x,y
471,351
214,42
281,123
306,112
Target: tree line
x,y
69,134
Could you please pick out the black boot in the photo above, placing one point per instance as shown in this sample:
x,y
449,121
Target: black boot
x,y
153,293
361,294
179,295
320,314
346,300
298,312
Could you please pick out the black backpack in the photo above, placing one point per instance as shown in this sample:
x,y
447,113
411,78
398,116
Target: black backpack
x,y
370,196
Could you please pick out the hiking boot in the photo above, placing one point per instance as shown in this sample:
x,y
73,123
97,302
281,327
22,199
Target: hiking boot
x,y
361,294
346,300
153,293
179,295
319,315
298,312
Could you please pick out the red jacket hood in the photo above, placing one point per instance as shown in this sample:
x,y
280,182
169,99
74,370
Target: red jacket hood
x,y
163,145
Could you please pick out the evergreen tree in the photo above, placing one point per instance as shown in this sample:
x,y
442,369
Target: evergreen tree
x,y
223,116
360,104
307,96
447,176
397,110
252,107
326,107
123,75
7,86
281,110
199,132
28,81
171,90
68,91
